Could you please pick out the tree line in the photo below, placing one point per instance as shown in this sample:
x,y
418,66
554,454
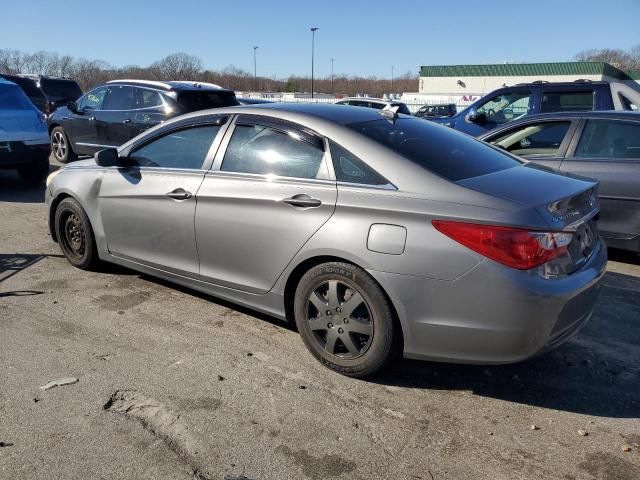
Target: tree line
x,y
182,66
622,59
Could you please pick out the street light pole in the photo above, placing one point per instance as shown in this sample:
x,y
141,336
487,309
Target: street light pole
x,y
313,39
255,70
392,79
332,75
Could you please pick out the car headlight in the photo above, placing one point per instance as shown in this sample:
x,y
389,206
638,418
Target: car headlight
x,y
52,176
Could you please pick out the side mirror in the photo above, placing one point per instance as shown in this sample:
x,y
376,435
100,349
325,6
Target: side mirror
x,y
73,106
108,158
474,117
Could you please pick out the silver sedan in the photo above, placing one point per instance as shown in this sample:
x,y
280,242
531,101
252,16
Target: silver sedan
x,y
376,233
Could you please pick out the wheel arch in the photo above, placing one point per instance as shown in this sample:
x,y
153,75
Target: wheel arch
x,y
52,126
301,268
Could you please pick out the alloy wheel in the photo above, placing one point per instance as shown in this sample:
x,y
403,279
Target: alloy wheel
x,y
340,319
59,145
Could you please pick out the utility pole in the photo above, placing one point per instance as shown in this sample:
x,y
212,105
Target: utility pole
x,y
255,69
332,75
313,39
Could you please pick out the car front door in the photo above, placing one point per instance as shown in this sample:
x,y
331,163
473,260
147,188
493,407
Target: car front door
x,y
495,111
542,142
148,208
113,121
269,191
609,150
81,124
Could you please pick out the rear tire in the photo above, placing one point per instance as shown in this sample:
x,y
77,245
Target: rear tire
x,y
75,235
35,172
345,320
60,146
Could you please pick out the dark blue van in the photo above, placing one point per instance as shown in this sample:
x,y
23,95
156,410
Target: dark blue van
x,y
511,103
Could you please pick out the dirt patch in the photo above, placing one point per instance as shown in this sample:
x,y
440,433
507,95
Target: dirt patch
x,y
118,303
606,466
318,468
163,423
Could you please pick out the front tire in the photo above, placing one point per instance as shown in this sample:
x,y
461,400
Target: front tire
x,y
345,319
61,147
75,235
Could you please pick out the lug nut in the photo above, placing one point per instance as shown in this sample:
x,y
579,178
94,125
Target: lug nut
x,y
346,320
328,312
329,325
340,330
338,309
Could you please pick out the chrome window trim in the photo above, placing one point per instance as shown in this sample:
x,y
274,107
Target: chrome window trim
x,y
269,178
386,186
96,145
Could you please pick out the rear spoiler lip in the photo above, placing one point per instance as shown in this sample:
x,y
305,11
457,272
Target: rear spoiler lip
x,y
575,224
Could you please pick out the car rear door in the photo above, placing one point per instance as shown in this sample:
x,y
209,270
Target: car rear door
x,y
113,121
148,208
150,110
269,191
609,150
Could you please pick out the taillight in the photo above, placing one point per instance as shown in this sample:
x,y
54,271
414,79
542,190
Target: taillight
x,y
514,247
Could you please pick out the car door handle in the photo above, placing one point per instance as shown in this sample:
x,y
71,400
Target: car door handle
x,y
179,194
128,120
92,118
302,200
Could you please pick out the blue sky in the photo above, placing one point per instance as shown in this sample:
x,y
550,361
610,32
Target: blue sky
x,y
365,38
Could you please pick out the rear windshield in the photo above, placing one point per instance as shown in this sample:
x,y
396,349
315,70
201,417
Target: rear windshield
x,y
61,89
192,101
441,150
13,98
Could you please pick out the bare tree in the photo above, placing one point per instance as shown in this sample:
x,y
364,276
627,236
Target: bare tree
x,y
177,66
621,59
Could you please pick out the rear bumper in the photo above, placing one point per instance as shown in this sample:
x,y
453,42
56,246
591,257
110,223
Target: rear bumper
x,y
492,314
17,154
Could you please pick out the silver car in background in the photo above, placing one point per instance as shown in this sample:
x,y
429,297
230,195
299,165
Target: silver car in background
x,y
376,233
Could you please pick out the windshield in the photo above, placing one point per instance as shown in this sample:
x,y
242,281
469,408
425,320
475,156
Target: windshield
x,y
61,89
13,98
445,152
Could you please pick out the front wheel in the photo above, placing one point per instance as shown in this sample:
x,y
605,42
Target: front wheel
x,y
60,146
75,235
345,319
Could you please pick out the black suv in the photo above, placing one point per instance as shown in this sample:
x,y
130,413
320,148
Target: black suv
x,y
440,110
46,93
113,113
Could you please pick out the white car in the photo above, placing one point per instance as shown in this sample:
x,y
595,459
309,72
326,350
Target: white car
x,y
24,140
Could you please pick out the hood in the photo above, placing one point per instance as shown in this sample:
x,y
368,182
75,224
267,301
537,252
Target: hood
x,y
22,125
559,199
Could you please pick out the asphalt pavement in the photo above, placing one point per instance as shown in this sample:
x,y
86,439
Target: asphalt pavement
x,y
173,384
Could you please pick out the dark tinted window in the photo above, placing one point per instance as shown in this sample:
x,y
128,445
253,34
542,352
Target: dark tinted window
x,y
181,149
609,139
93,99
147,98
29,86
192,101
403,109
542,138
13,98
566,101
441,150
266,151
350,168
60,89
120,98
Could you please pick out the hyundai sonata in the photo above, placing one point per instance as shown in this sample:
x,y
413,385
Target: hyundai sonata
x,y
375,232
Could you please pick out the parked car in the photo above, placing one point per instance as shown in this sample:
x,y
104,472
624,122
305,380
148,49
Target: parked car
x,y
600,145
47,93
373,231
377,103
511,103
252,101
111,114
24,142
443,110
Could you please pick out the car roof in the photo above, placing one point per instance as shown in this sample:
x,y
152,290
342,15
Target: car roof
x,y
341,114
575,83
171,85
369,99
619,114
6,82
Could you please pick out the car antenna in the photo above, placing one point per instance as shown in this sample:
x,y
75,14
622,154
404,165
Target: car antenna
x,y
390,112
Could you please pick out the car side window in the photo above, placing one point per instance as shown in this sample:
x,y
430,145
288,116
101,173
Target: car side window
x,y
120,98
93,100
613,139
351,169
567,101
506,107
186,148
147,98
264,150
534,139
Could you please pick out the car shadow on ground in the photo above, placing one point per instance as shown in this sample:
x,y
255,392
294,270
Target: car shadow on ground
x,y
14,189
13,263
595,373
